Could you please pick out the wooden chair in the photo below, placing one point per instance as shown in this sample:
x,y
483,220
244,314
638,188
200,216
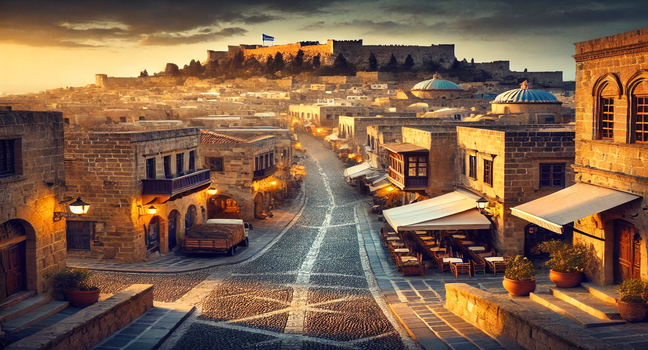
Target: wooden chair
x,y
460,268
438,259
478,267
496,266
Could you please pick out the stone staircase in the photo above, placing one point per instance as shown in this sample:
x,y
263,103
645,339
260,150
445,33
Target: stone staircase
x,y
588,306
25,309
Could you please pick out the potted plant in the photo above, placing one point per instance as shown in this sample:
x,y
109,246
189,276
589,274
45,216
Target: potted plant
x,y
566,262
74,283
519,277
631,304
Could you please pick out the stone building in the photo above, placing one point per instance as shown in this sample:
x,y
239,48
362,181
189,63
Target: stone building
x,y
145,188
243,175
607,209
436,88
32,183
510,165
326,116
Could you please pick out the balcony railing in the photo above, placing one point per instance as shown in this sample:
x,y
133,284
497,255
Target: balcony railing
x,y
265,172
407,183
177,185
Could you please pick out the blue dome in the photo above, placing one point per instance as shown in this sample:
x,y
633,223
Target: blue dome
x,y
525,95
436,84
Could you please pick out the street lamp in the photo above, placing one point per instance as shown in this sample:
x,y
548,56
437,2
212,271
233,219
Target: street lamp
x,y
212,191
77,208
482,204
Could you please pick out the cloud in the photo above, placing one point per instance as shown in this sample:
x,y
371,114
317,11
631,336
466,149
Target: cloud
x,y
168,40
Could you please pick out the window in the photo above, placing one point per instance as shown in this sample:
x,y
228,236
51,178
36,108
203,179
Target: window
x,y
167,167
472,166
216,164
271,159
462,163
552,175
488,172
150,168
192,161
10,160
79,234
416,166
606,119
180,164
640,109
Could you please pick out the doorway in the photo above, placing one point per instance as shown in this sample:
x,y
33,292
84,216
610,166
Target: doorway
x,y
13,249
173,225
627,251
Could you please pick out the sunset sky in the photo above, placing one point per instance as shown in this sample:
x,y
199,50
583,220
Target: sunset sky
x,y
49,44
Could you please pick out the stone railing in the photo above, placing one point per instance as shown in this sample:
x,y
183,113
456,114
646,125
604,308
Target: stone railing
x,y
92,324
503,319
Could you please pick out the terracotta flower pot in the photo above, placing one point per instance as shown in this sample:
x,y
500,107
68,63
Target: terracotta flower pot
x,y
519,288
82,298
632,312
565,279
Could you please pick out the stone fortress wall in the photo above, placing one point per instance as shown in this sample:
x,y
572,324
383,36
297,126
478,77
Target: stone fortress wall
x,y
502,69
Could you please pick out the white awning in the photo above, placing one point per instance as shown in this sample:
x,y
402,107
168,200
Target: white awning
x,y
358,170
332,137
438,213
376,185
572,203
344,146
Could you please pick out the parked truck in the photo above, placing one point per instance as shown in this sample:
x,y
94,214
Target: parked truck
x,y
217,236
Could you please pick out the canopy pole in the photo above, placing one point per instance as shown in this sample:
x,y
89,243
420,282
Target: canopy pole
x,y
585,233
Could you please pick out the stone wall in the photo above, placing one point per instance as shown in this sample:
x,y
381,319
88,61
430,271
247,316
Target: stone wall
x,y
500,70
106,169
359,54
31,196
505,320
94,323
105,82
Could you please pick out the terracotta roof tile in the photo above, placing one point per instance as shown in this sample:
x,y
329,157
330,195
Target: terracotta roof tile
x,y
209,137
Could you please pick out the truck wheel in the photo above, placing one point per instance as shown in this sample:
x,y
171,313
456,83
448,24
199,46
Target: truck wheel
x,y
230,252
245,242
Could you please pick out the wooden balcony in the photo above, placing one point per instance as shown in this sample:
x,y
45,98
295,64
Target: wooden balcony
x,y
258,174
407,183
171,187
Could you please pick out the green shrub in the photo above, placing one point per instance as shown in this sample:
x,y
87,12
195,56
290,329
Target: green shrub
x,y
633,291
519,268
564,257
72,279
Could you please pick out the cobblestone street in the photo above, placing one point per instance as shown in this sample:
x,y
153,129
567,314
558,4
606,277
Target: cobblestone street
x,y
324,283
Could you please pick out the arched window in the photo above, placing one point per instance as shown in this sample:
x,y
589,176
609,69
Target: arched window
x,y
637,89
606,90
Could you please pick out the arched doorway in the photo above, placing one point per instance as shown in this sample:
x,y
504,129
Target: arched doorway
x,y
190,218
173,228
153,235
627,251
534,234
223,207
13,249
259,211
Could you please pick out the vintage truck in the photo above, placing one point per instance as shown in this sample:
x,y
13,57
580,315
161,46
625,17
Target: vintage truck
x,y
216,236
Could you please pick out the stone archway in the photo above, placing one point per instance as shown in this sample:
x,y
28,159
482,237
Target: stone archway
x,y
172,237
223,207
190,217
15,261
153,235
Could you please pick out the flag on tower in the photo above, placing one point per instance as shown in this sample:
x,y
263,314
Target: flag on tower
x,y
267,37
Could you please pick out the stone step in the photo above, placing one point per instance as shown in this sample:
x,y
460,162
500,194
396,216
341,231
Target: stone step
x,y
16,298
578,316
150,330
582,299
607,294
23,307
34,316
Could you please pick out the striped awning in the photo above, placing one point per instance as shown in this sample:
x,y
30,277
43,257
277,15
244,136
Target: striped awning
x,y
570,204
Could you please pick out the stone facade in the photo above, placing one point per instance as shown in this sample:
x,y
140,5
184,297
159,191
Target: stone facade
x,y
326,116
32,181
515,155
612,71
108,169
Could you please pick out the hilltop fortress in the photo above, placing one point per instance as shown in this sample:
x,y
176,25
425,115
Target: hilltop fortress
x,y
358,54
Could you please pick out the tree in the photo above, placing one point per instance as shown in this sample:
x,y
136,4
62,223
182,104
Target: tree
x,y
278,62
171,69
373,62
317,61
143,74
409,62
391,66
298,61
269,65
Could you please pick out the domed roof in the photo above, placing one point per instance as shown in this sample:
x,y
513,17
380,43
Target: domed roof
x,y
436,84
525,95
